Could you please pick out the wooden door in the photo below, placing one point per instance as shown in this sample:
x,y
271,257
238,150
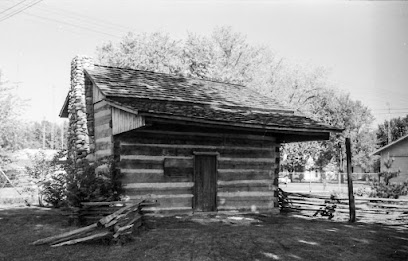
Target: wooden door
x,y
205,182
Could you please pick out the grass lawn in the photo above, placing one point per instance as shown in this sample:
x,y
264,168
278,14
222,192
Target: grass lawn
x,y
210,237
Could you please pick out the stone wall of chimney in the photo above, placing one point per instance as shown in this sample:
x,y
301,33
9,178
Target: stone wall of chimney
x,y
80,142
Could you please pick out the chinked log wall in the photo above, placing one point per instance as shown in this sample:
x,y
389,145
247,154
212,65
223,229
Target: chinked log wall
x,y
103,130
159,165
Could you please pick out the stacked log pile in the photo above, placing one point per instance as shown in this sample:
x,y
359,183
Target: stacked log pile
x,y
115,226
92,212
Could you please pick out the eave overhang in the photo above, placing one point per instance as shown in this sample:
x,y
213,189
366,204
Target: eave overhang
x,y
64,110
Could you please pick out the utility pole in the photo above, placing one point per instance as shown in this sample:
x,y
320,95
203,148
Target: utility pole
x,y
389,123
62,136
341,166
52,135
43,145
352,206
53,138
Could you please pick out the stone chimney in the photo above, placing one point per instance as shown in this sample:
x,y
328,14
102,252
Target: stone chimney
x,y
78,135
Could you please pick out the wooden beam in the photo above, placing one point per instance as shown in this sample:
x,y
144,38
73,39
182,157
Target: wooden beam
x,y
255,194
247,174
175,150
87,238
218,139
64,110
65,235
152,158
235,182
104,139
184,146
209,134
352,207
119,106
152,176
102,113
101,105
160,185
234,125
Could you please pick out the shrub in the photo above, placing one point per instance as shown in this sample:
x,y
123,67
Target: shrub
x,y
97,182
387,176
385,189
61,184
54,189
363,192
40,167
43,173
381,190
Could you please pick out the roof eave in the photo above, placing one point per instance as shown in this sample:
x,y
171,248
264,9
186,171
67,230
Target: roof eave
x,y
378,152
64,110
242,125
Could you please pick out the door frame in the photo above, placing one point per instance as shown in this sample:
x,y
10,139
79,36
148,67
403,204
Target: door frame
x,y
201,153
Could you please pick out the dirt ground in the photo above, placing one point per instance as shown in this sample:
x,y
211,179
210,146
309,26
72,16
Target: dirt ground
x,y
208,237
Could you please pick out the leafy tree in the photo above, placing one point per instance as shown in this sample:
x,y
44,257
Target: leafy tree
x,y
399,128
337,109
153,52
356,119
10,108
226,56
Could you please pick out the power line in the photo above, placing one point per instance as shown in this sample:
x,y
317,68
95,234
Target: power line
x,y
19,11
394,113
73,25
75,16
5,10
85,18
392,109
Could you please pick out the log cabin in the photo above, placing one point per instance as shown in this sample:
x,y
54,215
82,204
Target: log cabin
x,y
192,144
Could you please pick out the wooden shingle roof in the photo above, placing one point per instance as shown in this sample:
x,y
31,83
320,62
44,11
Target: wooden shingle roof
x,y
122,82
153,93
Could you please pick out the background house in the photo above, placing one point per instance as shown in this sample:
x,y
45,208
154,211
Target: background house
x,y
398,152
194,145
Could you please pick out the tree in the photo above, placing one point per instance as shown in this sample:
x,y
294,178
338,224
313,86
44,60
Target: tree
x,y
226,56
340,110
337,109
10,108
17,134
399,128
154,52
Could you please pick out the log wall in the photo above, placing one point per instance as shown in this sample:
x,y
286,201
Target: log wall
x,y
89,90
103,130
160,165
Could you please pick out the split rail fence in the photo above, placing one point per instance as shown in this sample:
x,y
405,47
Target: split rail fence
x,y
366,208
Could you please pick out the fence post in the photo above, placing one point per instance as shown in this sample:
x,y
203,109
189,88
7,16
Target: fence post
x,y
352,206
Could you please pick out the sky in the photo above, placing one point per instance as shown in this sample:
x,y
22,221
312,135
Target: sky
x,y
364,45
